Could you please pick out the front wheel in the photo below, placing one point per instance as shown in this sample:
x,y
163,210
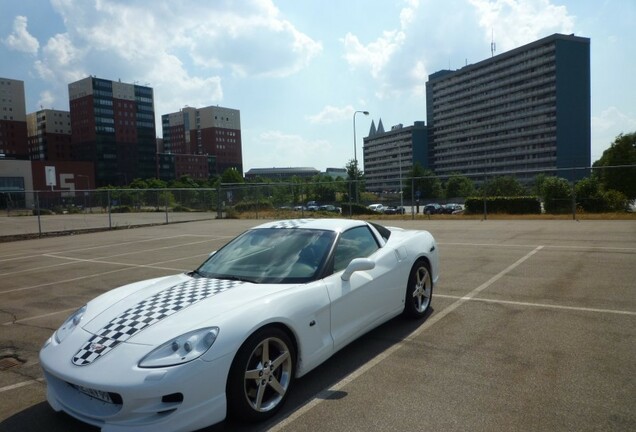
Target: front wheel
x,y
419,290
261,375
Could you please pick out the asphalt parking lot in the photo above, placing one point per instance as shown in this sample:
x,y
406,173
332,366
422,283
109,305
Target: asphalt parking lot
x,y
533,328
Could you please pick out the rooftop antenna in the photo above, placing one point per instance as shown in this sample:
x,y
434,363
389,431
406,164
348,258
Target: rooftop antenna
x,y
493,45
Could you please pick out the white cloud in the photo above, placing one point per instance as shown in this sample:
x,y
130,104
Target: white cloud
x,y
60,60
21,39
331,114
606,126
518,22
303,152
47,100
612,118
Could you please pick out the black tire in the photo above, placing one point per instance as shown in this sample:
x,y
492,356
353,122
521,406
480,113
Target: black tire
x,y
419,291
261,375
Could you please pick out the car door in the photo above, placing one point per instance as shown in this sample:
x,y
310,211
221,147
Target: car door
x,y
363,301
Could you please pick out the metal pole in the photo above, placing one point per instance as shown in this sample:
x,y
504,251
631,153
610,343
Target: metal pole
x,y
110,221
37,209
165,200
355,152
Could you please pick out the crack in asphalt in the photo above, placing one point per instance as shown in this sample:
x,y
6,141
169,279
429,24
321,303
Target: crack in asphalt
x,y
13,316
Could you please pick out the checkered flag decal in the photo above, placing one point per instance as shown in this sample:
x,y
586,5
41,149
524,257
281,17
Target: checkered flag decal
x,y
147,313
293,223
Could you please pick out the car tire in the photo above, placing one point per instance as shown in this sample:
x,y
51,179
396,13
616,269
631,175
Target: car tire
x,y
419,291
261,375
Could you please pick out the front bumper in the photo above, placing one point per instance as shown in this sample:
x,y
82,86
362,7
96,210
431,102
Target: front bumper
x,y
178,398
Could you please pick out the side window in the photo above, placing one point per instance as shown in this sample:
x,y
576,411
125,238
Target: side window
x,y
358,242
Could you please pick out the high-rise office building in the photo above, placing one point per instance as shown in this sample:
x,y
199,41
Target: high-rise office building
x,y
389,156
49,133
113,125
204,132
520,113
13,129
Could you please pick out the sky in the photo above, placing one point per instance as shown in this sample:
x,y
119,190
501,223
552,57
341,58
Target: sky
x,y
299,69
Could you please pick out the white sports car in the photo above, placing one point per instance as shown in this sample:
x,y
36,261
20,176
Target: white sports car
x,y
181,352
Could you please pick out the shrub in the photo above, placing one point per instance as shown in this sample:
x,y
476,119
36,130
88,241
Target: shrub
x,y
248,206
43,212
121,209
507,205
356,209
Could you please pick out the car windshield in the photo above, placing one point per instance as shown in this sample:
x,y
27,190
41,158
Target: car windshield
x,y
271,255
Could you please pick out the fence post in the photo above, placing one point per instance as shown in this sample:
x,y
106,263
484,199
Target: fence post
x,y
110,221
165,201
219,210
413,198
573,199
37,209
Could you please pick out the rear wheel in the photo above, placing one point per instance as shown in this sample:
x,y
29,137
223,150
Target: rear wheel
x,y
261,375
419,290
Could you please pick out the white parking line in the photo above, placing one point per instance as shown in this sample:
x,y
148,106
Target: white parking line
x,y
542,305
20,384
8,323
127,267
2,259
430,321
98,259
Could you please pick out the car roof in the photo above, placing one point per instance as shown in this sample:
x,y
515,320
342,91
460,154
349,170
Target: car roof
x,y
331,224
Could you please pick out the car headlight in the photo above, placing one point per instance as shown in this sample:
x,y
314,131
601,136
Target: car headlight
x,y
182,349
69,325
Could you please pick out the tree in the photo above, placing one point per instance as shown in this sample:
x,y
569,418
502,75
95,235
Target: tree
x,y
231,175
621,152
426,185
557,195
504,186
356,179
459,186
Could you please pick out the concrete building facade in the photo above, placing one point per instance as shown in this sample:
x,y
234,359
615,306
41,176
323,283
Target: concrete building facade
x,y
522,112
211,131
13,128
388,156
113,126
49,135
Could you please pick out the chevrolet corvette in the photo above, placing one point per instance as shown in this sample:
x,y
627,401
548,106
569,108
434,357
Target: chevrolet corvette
x,y
183,352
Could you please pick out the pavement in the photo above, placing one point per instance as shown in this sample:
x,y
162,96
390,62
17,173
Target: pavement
x,y
532,328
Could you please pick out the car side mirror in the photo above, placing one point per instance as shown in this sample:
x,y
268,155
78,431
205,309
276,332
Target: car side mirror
x,y
357,264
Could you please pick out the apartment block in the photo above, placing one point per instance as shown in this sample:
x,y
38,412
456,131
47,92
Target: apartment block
x,y
210,131
389,155
49,135
13,128
113,126
520,113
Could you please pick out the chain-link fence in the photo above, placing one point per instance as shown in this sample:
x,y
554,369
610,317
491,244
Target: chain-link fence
x,y
575,193
57,211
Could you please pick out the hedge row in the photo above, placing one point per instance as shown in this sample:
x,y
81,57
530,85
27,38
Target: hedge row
x,y
509,205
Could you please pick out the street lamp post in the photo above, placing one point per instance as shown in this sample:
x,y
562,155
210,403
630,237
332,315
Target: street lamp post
x,y
400,165
355,152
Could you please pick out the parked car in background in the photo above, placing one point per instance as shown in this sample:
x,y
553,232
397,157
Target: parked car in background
x,y
453,208
313,206
379,208
330,208
390,210
433,208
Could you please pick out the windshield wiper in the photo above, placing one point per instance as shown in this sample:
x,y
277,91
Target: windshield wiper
x,y
233,278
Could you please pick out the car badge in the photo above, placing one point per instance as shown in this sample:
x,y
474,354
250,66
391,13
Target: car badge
x,y
97,347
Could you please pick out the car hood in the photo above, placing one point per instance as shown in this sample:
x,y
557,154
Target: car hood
x,y
159,309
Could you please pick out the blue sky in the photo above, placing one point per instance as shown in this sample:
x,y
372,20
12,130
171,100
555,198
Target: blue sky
x,y
298,69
